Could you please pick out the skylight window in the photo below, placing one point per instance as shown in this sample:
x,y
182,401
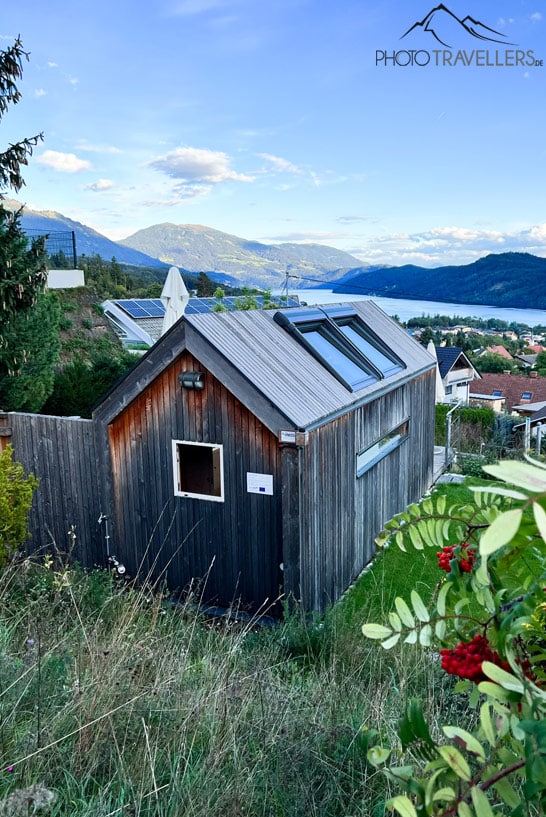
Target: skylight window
x,y
339,339
497,393
527,395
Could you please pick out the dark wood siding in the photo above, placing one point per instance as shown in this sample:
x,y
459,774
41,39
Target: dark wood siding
x,y
340,514
61,453
231,549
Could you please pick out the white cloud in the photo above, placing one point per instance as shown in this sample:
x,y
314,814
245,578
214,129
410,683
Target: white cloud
x,y
40,92
52,65
197,170
538,233
100,185
98,148
281,165
63,162
536,17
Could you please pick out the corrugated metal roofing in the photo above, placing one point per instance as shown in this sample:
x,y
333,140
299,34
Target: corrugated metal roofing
x,y
291,378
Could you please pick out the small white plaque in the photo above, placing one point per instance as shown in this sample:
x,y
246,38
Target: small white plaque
x,y
287,436
259,484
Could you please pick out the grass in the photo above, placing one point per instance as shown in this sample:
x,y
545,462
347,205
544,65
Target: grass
x,y
124,706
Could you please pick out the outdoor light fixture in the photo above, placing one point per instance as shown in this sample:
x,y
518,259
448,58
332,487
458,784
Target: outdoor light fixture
x,y
192,380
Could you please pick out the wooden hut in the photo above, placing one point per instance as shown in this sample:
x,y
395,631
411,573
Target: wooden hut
x,y
259,453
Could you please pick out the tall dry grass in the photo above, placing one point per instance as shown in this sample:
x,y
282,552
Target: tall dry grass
x,y
122,704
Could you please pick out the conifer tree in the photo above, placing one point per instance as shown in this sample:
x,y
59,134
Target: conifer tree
x,y
29,318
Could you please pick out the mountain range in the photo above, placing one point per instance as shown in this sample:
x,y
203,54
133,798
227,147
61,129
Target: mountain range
x,y
228,259
506,279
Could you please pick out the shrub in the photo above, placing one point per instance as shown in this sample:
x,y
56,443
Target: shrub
x,y
16,492
485,625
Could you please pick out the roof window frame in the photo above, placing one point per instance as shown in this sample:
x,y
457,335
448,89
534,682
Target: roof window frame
x,y
328,322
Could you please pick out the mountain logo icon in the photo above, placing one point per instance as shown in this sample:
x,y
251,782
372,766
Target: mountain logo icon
x,y
443,25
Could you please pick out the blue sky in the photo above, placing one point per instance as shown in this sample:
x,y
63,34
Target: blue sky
x,y
275,121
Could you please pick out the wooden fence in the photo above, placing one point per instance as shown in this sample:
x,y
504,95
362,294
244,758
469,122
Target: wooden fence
x,y
60,452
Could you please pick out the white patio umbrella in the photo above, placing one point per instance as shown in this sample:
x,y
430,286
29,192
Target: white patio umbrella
x,y
175,296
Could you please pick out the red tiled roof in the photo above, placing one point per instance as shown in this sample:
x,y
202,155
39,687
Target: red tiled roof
x,y
512,387
500,350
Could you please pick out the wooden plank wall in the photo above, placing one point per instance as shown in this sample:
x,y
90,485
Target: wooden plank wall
x,y
340,514
60,451
237,543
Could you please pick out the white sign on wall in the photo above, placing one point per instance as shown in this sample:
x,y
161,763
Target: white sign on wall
x,y
259,484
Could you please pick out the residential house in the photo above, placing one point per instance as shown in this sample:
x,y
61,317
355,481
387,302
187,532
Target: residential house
x,y
456,372
503,392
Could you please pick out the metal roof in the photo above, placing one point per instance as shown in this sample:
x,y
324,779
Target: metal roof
x,y
261,363
292,379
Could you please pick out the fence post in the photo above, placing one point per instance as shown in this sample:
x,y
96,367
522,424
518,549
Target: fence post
x,y
449,419
527,434
539,438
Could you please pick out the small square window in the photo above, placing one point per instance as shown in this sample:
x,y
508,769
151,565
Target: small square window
x,y
497,393
198,470
527,395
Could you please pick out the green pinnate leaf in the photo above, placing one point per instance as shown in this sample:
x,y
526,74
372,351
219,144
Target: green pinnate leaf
x,y
420,610
394,621
500,676
507,793
455,761
404,612
425,635
415,537
540,519
486,723
445,794
480,802
465,739
500,532
376,631
391,642
442,597
523,474
481,492
402,805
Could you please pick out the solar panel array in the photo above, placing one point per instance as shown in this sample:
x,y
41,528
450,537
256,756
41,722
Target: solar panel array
x,y
154,307
142,307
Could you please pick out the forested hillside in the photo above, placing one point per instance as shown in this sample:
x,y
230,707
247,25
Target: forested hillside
x,y
508,279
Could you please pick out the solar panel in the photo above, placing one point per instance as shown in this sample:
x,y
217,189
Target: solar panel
x,y
154,307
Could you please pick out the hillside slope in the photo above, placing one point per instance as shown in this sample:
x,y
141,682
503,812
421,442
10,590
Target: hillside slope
x,y
507,279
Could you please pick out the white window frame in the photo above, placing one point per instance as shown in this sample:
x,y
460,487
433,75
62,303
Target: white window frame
x,y
374,453
216,448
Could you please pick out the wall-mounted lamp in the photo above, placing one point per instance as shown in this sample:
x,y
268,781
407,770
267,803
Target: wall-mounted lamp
x,y
192,380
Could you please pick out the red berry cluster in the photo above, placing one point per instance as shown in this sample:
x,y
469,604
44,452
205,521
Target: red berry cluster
x,y
466,659
466,559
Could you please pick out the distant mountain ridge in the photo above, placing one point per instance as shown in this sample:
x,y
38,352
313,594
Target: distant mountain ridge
x,y
507,279
195,248
511,279
228,259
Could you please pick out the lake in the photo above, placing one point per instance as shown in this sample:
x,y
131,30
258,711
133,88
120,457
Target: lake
x,y
406,308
